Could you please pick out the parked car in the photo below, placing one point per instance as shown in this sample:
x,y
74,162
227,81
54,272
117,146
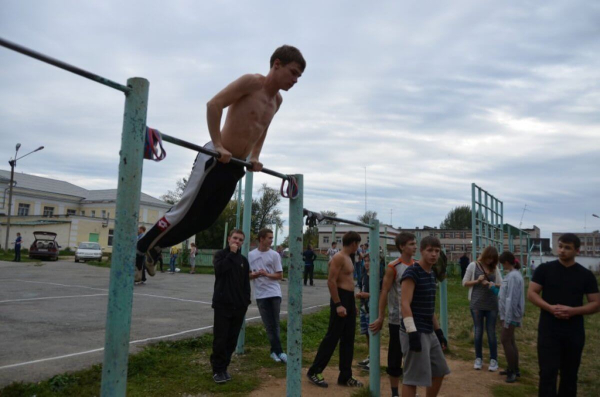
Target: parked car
x,y
44,246
88,251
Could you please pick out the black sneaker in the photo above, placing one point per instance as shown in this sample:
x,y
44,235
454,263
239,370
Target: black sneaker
x,y
364,363
511,377
317,379
505,373
227,376
351,383
220,377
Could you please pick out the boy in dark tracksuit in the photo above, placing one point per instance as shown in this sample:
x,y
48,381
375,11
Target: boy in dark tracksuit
x,y
231,298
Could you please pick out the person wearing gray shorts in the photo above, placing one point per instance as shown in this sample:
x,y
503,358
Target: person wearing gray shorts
x,y
421,338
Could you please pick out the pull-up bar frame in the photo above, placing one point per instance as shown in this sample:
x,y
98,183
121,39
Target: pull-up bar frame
x,y
120,299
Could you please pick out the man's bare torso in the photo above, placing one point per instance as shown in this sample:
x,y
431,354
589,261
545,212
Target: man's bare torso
x,y
345,278
247,120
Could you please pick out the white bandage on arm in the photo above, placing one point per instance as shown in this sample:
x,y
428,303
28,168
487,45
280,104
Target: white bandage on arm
x,y
409,324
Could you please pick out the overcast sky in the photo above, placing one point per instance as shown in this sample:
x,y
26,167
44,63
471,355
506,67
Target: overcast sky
x,y
428,96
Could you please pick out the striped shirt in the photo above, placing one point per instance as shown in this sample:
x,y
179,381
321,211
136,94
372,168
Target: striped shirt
x,y
423,301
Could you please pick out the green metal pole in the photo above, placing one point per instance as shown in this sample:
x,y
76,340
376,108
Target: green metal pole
x,y
474,214
225,235
374,340
296,267
444,306
246,246
120,296
275,241
333,234
239,205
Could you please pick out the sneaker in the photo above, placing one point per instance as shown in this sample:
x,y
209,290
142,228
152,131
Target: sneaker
x,y
227,376
151,258
351,383
364,363
275,357
478,364
317,379
511,377
137,276
283,358
493,366
220,377
505,373
366,367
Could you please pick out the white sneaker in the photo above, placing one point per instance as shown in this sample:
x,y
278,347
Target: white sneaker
x,y
493,366
275,358
478,364
283,358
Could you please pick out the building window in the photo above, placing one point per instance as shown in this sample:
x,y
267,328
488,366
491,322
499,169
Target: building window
x,y
108,215
48,211
71,212
93,213
103,214
325,239
82,212
339,240
442,235
111,232
23,210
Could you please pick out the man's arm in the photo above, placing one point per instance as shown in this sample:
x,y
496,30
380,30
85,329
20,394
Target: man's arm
x,y
335,267
533,294
566,312
388,281
408,290
223,262
245,85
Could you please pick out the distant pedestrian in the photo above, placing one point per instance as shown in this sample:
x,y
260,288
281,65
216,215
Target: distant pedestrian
x,y
332,251
309,258
140,275
193,251
17,243
173,261
464,263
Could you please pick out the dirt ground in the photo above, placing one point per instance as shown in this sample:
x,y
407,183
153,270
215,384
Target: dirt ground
x,y
463,381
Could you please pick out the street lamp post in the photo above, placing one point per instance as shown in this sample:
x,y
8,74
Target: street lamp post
x,y
13,164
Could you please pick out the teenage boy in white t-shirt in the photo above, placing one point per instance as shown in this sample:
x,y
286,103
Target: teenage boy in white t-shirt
x,y
265,273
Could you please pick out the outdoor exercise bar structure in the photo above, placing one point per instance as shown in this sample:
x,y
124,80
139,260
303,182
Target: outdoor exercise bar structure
x,y
118,320
374,340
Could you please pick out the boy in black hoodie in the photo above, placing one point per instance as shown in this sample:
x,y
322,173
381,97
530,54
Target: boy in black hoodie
x,y
231,298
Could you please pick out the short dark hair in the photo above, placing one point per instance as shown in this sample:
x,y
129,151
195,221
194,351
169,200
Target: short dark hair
x,y
366,244
236,231
262,233
141,227
288,54
430,241
570,238
334,243
508,256
403,239
309,247
349,238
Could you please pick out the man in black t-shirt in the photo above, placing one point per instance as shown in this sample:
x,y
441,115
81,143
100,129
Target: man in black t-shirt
x,y
561,333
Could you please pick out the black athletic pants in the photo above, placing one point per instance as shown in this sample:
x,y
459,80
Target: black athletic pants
x,y
559,350
341,329
226,329
206,195
308,273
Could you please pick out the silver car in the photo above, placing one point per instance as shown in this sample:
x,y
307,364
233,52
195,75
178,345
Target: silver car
x,y
88,251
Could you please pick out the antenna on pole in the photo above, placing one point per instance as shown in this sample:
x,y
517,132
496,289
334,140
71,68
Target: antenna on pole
x,y
522,215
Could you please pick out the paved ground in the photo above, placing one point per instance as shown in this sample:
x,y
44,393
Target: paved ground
x,y
52,315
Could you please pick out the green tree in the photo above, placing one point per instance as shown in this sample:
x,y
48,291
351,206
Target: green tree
x,y
332,214
367,216
458,218
265,213
173,196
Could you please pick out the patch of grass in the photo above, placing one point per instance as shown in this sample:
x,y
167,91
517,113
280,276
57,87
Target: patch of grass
x,y
10,256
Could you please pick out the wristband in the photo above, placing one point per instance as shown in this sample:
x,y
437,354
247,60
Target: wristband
x,y
409,324
338,304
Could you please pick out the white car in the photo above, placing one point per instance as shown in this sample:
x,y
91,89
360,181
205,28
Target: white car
x,y
88,251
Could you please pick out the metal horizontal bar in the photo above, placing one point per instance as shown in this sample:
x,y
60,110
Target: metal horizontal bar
x,y
63,65
192,146
331,218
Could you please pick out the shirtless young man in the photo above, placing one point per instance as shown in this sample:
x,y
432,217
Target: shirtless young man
x,y
342,321
252,100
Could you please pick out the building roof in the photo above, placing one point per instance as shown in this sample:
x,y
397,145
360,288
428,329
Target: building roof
x,y
42,184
